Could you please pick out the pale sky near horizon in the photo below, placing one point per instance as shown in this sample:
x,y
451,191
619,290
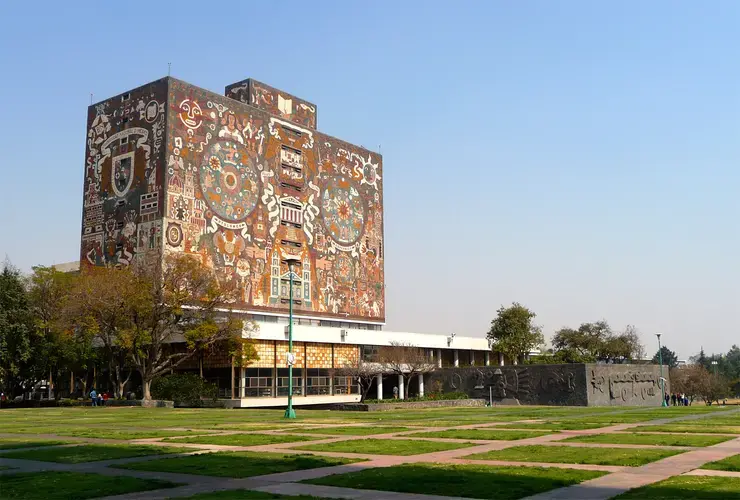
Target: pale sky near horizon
x,y
578,157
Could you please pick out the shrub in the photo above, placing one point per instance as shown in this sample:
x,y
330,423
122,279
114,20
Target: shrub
x,y
185,389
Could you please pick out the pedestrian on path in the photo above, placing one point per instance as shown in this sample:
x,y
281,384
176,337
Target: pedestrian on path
x,y
667,399
94,397
395,392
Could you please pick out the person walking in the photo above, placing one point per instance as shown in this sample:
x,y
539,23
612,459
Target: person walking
x,y
673,399
94,397
395,392
667,399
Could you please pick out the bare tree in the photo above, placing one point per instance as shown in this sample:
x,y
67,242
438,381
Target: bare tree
x,y
692,380
405,360
364,373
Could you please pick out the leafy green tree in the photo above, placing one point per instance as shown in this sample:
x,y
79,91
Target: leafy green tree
x,y
669,357
513,331
141,311
16,329
596,341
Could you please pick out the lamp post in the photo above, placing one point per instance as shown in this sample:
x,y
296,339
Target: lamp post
x,y
662,380
714,364
290,412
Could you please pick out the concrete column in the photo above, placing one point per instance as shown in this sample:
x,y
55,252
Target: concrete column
x,y
401,391
488,358
439,358
457,358
243,383
331,382
421,385
516,361
501,359
472,357
380,386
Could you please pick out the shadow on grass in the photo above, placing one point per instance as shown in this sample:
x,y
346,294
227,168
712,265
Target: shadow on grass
x,y
494,483
237,464
58,485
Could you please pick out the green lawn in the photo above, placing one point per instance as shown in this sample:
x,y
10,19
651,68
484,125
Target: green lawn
x,y
474,481
654,439
631,457
730,463
91,453
244,439
689,488
401,447
58,485
491,434
16,443
352,431
688,429
248,495
554,426
237,464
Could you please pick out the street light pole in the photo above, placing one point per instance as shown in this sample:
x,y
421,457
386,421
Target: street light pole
x,y
714,364
290,412
662,380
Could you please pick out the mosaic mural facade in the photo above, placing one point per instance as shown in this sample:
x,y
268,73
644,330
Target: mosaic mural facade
x,y
244,183
124,176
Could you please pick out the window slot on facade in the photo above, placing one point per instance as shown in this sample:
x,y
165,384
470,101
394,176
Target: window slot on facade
x,y
120,203
285,185
119,224
291,243
295,301
126,96
124,140
290,224
125,120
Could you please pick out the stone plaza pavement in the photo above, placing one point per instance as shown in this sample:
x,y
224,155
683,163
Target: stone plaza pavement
x,y
618,480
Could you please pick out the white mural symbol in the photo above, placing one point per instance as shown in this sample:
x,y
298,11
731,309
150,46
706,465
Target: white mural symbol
x,y
190,114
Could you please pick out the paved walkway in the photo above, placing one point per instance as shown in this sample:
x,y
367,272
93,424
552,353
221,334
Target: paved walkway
x,y
618,479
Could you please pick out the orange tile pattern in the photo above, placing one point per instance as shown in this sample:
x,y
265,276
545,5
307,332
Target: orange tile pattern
x,y
282,354
266,352
318,355
345,355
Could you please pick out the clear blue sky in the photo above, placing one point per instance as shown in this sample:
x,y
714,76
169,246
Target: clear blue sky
x,y
580,157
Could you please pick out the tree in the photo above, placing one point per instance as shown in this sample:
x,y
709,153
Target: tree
x,y
364,373
405,360
669,357
692,380
16,329
513,331
596,341
139,312
57,348
716,388
700,359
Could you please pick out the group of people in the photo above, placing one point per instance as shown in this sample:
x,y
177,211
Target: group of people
x,y
676,399
98,399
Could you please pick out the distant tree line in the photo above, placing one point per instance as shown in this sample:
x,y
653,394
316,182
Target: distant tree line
x,y
120,321
514,334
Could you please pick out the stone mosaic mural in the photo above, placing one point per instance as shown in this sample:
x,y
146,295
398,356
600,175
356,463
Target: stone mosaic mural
x,y
247,189
123,176
244,183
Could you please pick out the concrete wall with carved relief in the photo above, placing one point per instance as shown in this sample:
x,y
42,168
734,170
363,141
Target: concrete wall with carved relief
x,y
567,384
625,385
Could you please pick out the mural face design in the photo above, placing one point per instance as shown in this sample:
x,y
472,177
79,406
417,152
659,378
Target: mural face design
x,y
249,185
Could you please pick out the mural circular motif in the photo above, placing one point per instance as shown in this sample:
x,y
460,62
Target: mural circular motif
x,y
343,210
229,181
174,234
344,269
